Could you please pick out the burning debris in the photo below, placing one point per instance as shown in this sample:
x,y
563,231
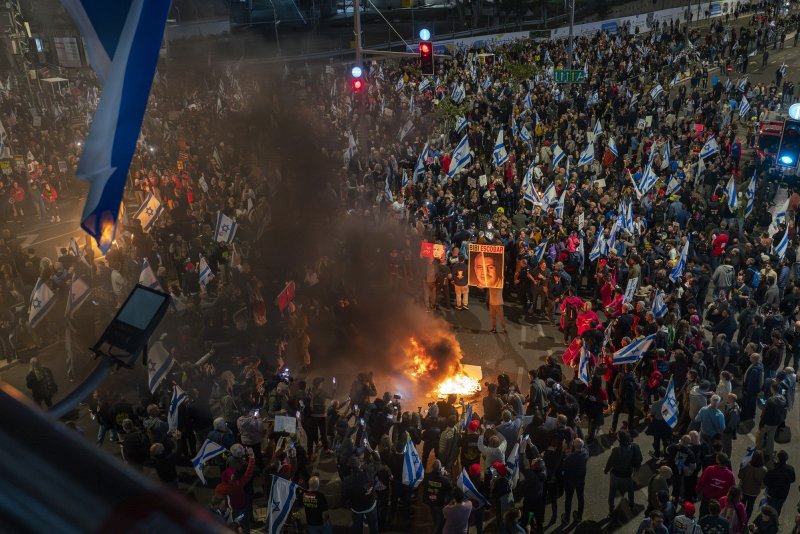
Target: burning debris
x,y
436,363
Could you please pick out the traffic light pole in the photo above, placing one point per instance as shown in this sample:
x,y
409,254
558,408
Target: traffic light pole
x,y
362,107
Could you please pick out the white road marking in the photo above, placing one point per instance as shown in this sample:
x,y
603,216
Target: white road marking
x,y
28,240
523,336
539,331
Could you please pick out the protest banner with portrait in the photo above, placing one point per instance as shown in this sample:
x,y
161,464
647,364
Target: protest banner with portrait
x,y
486,266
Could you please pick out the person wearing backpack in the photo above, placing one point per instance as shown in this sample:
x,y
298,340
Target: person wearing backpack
x,y
773,416
733,510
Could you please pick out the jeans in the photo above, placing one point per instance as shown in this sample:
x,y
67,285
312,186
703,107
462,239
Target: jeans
x,y
749,501
569,489
101,434
765,441
359,518
776,503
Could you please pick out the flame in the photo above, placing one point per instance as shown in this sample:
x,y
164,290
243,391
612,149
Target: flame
x,y
420,361
421,366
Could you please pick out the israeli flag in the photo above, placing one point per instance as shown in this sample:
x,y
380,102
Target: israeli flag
x,y
583,366
677,272
539,251
673,186
461,157
783,244
630,289
528,103
659,307
648,180
598,248
667,156
467,416
780,215
587,156
612,146
634,101
178,397
470,491
400,84
405,179
147,277
676,80
550,196
76,251
208,451
78,294
159,362
148,212
487,83
782,69
669,409
598,128
419,168
499,155
514,127
559,210
629,218
750,195
122,42
387,191
42,300
558,155
747,456
282,495
424,84
611,244
742,85
525,135
634,351
457,96
226,228
413,471
728,85
730,193
205,273
709,149
512,464
744,107
656,91
461,124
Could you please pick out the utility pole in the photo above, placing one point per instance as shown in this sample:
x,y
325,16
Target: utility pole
x,y
571,36
361,96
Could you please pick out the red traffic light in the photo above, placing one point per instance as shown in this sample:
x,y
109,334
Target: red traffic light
x,y
357,85
424,49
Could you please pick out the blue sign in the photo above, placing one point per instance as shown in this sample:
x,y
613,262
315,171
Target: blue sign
x,y
609,27
715,9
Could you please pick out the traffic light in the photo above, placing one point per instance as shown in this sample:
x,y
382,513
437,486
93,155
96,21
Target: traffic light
x,y
358,80
426,57
789,149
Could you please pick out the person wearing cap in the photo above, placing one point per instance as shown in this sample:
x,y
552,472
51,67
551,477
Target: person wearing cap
x,y
685,523
470,453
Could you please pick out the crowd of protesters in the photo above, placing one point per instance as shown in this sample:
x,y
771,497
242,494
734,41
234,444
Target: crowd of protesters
x,y
729,339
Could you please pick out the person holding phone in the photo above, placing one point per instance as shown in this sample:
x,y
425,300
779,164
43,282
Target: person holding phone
x,y
233,489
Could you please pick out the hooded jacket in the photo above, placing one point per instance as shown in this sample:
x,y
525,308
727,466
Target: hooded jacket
x,y
234,489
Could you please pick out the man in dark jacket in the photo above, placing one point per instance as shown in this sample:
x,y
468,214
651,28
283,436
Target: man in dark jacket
x,y
778,481
573,470
627,401
751,387
359,493
623,461
537,394
437,491
772,417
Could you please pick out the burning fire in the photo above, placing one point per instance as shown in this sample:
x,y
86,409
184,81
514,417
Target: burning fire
x,y
422,365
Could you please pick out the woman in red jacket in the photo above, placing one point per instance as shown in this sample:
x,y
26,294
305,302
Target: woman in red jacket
x,y
234,491
16,198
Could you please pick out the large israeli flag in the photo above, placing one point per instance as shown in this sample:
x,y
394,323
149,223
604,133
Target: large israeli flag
x,y
525,135
656,91
458,94
122,39
538,252
598,128
649,179
282,495
659,307
419,168
669,409
461,124
76,251
470,491
499,155
709,148
677,272
780,215
206,275
550,196
783,244
424,84
559,209
178,397
750,195
513,465
527,102
461,157
558,155
744,107
149,211
667,156
159,362
465,420
599,247
147,277
226,228
673,186
79,293
208,450
730,194
587,156
42,300
583,366
413,471
634,351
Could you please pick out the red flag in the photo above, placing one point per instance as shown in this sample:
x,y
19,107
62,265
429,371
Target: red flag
x,y
286,296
